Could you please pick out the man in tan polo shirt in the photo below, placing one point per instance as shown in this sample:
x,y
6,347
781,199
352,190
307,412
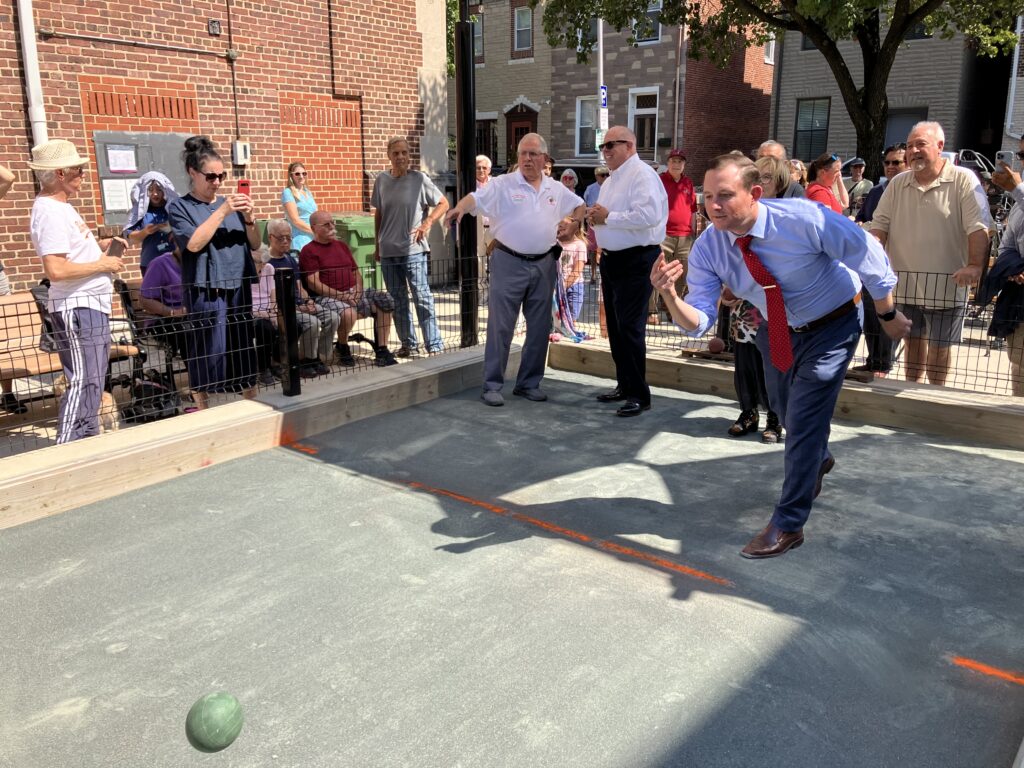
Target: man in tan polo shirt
x,y
934,221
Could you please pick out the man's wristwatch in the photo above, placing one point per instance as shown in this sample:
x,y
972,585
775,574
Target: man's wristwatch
x,y
886,317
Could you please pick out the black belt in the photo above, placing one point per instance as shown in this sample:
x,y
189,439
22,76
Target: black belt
x,y
630,251
842,309
525,256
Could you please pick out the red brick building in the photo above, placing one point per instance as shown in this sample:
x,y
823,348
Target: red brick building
x,y
326,82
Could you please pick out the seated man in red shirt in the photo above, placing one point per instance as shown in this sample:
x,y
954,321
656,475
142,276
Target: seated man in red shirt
x,y
333,278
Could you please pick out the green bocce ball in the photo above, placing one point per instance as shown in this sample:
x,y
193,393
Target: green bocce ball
x,y
214,722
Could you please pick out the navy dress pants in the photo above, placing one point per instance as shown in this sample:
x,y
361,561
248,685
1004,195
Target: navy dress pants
x,y
805,397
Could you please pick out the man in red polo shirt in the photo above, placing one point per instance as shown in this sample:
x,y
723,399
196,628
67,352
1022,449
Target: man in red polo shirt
x,y
682,220
335,282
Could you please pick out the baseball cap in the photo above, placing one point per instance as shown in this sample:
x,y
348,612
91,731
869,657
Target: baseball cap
x,y
676,153
857,161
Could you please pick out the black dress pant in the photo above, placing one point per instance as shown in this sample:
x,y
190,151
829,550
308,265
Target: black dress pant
x,y
626,288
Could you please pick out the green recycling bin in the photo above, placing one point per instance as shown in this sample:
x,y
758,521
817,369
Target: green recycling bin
x,y
356,231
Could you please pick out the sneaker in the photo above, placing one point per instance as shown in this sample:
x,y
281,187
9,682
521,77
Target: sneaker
x,y
11,404
308,371
492,397
404,351
385,358
323,370
345,356
536,395
267,378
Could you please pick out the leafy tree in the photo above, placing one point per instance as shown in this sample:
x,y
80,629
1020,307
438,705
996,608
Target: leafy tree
x,y
878,28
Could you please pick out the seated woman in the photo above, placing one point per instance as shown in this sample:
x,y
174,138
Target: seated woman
x,y
162,300
264,312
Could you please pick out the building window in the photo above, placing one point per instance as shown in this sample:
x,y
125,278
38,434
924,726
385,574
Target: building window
x,y
643,120
806,44
652,32
478,37
918,32
523,32
586,125
769,51
588,35
487,139
811,137
900,121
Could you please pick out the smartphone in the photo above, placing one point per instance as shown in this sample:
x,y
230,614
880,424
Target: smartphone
x,y
1005,156
116,248
243,187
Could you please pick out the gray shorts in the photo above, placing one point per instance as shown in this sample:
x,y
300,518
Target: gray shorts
x,y
941,327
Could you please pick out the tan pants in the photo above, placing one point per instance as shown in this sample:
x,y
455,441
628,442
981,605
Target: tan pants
x,y
674,249
1015,353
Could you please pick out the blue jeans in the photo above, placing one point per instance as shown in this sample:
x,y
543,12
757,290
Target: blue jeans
x,y
402,274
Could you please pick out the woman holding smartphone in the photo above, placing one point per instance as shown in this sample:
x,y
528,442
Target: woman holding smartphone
x,y
217,235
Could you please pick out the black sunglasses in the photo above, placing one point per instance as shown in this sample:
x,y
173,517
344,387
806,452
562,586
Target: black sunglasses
x,y
1020,155
299,173
610,144
212,177
893,162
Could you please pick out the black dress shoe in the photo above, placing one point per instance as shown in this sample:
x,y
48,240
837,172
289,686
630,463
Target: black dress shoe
x,y
772,542
824,469
611,397
633,408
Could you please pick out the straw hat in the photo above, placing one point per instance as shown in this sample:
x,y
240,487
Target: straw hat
x,y
54,155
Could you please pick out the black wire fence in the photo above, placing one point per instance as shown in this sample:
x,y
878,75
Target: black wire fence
x,y
173,348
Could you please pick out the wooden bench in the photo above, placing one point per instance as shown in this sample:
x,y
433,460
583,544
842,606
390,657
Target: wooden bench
x,y
20,326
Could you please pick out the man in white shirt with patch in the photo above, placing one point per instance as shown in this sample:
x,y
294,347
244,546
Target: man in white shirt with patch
x,y
525,209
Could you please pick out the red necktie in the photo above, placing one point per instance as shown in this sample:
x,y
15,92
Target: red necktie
x,y
779,346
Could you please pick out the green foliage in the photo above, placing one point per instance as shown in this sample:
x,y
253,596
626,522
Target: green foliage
x,y
451,16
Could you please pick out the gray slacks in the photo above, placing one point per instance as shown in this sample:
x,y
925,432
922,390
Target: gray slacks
x,y
518,283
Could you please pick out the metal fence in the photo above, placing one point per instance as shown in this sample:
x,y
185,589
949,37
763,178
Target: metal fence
x,y
166,360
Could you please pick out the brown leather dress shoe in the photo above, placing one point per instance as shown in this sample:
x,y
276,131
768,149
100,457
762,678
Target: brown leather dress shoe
x,y
772,542
824,469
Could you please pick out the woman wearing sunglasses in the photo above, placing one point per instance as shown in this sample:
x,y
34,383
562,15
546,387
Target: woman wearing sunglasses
x,y
822,175
299,205
217,235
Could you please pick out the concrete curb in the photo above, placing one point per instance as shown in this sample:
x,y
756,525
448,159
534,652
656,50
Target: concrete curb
x,y
62,477
990,419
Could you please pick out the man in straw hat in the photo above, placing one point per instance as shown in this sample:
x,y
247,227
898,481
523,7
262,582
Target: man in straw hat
x,y
80,284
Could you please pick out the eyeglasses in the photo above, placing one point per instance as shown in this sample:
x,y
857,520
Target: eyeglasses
x,y
899,162
609,145
299,173
767,179
74,173
212,177
601,175
287,236
528,153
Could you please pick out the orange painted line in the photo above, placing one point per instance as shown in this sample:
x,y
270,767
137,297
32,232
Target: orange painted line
x,y
985,669
583,538
661,562
309,449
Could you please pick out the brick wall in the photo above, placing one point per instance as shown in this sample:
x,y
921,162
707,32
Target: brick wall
x,y
725,109
291,102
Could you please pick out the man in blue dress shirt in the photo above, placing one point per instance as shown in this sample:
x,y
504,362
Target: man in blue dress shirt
x,y
817,261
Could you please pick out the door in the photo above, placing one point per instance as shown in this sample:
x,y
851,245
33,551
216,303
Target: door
x,y
519,122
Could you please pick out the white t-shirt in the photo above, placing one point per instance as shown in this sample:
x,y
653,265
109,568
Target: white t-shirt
x,y
58,229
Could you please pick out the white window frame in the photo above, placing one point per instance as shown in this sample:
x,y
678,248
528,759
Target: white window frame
x,y
656,30
769,51
633,111
579,113
478,35
518,29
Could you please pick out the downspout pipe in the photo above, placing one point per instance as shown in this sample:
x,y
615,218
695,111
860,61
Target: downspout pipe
x,y
1013,82
679,77
30,63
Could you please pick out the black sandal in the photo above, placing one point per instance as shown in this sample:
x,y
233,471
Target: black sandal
x,y
745,424
772,430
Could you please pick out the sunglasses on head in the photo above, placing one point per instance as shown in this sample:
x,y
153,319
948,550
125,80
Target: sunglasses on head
x,y
212,177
